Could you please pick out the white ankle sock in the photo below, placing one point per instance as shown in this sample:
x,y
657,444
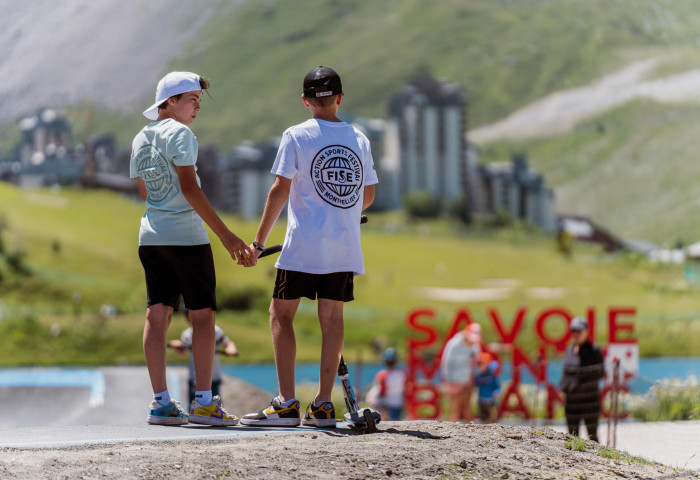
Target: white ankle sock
x,y
203,397
163,397
286,403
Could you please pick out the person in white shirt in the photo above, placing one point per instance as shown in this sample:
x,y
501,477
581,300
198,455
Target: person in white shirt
x,y
457,366
324,169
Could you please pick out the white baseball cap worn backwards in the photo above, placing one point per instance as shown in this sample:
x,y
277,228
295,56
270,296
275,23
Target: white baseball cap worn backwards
x,y
170,85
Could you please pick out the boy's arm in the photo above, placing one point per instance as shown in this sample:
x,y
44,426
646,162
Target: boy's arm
x,y
195,196
368,197
276,198
142,188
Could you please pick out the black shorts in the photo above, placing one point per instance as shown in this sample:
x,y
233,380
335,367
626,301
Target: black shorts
x,y
175,270
290,285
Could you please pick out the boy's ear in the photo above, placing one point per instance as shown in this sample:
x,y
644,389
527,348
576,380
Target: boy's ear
x,y
339,99
306,102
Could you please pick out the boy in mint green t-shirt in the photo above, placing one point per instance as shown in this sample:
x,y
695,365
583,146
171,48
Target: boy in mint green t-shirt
x,y
174,246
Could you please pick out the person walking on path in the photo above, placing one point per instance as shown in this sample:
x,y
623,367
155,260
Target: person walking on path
x,y
457,367
324,168
174,246
583,369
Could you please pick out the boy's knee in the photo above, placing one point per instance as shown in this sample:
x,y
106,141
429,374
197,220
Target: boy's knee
x,y
159,315
278,319
199,316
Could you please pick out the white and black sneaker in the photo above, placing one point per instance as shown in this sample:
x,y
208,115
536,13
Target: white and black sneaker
x,y
276,414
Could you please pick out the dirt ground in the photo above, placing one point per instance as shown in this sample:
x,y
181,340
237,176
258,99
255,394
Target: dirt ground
x,y
410,449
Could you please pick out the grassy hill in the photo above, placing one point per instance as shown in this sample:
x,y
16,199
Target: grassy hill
x,y
505,54
634,170
86,241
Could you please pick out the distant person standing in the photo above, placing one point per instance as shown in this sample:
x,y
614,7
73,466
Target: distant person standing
x,y
387,393
174,246
583,369
489,387
457,367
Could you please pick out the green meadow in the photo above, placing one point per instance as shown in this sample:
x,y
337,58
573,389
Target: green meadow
x,y
77,250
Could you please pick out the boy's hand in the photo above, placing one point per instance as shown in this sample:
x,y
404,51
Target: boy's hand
x,y
238,250
254,257
230,349
177,346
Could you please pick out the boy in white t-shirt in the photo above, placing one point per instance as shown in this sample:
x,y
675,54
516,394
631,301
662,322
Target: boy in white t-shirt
x,y
174,246
324,168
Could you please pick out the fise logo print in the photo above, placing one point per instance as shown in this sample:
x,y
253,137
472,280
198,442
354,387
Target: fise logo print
x,y
153,169
337,175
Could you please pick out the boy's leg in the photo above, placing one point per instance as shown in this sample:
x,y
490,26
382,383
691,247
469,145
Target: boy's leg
x,y
284,343
203,345
155,335
330,315
206,411
467,414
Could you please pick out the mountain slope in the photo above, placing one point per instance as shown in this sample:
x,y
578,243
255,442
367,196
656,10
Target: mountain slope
x,y
107,53
505,54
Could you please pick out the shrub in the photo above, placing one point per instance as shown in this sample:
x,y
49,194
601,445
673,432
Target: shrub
x,y
460,209
15,260
668,403
421,204
241,297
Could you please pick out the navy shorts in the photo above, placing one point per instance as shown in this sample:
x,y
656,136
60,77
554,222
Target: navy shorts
x,y
179,270
290,285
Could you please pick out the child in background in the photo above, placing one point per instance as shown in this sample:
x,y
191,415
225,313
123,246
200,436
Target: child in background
x,y
185,343
387,393
489,387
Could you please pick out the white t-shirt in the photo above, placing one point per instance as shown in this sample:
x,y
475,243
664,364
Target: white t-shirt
x,y
221,339
329,164
169,217
458,360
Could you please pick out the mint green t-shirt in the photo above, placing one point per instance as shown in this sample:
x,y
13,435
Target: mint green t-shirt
x,y
169,217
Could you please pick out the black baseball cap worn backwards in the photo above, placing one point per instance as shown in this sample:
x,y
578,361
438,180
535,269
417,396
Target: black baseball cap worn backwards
x,y
322,82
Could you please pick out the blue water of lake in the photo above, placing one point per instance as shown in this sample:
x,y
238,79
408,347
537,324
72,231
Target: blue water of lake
x,y
264,376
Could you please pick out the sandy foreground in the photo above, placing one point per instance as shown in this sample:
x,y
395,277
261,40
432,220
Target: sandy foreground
x,y
409,449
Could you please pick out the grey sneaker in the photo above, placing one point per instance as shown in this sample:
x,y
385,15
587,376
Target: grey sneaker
x,y
170,414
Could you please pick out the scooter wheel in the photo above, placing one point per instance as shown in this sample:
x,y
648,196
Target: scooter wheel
x,y
370,423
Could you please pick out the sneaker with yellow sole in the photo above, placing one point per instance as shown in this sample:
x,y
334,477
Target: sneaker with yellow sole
x,y
321,415
213,414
